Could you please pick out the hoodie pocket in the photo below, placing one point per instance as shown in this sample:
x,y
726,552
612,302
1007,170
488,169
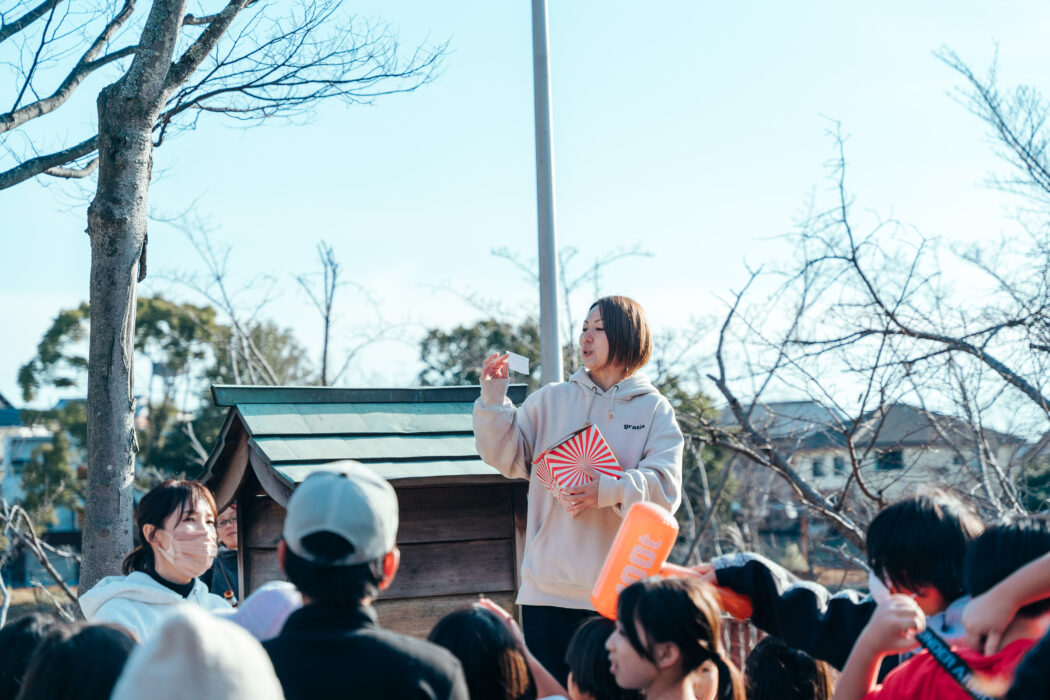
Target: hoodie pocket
x,y
570,551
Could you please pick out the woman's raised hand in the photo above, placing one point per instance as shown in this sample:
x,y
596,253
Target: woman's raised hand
x,y
496,366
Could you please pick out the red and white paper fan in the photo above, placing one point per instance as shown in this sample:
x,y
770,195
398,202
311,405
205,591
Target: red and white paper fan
x,y
543,471
587,448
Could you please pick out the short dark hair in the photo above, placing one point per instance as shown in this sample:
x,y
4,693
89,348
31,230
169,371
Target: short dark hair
x,y
922,541
18,640
494,663
1003,549
81,662
627,330
339,586
775,671
589,662
683,612
155,507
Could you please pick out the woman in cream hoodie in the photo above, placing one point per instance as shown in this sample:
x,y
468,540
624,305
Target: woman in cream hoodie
x,y
566,546
176,521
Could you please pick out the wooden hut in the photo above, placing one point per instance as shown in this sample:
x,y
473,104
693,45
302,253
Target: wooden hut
x,y
462,523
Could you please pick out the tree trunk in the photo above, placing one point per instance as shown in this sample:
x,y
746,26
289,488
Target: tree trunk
x,y
127,110
117,226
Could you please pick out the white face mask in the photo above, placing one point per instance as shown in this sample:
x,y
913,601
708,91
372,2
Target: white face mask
x,y
189,553
877,588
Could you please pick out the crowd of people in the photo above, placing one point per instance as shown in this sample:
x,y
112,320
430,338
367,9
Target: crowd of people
x,y
156,632
955,608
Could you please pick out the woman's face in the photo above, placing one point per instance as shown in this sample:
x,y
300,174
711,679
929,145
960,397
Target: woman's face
x,y
705,681
594,345
226,527
193,520
631,670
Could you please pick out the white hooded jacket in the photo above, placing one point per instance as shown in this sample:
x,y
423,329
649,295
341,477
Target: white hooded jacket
x,y
140,604
563,555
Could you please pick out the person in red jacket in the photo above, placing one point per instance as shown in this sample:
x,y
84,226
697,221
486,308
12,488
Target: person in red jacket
x,y
997,553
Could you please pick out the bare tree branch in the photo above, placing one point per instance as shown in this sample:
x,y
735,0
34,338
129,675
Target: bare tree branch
x,y
88,63
73,173
41,164
9,29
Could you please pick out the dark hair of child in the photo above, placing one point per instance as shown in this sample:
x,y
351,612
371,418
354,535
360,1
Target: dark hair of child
x,y
493,661
684,613
341,586
1003,549
589,662
81,662
18,640
155,507
921,541
775,671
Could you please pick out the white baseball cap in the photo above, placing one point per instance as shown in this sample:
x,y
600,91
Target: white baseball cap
x,y
347,499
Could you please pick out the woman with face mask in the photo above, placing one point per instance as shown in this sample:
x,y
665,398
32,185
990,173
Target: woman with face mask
x,y
176,525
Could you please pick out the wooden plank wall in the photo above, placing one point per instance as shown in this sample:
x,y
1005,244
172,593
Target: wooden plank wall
x,y
455,541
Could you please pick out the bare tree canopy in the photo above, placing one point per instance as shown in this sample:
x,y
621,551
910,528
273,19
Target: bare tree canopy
x,y
239,59
244,61
885,334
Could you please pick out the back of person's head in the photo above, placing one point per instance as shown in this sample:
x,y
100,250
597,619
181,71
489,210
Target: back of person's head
x,y
1003,549
775,671
493,661
340,526
685,613
589,674
198,655
81,662
173,495
921,541
18,640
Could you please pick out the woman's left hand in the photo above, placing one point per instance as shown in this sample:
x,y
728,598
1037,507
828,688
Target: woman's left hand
x,y
583,497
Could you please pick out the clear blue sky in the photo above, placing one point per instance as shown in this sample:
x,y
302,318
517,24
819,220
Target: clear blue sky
x,y
695,129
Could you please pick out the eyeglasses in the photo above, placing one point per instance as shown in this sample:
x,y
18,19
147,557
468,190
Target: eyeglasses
x,y
227,522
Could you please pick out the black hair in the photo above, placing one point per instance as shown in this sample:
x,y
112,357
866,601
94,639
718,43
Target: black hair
x,y
155,507
81,662
921,541
627,330
493,661
683,612
775,671
589,662
1003,549
343,586
18,640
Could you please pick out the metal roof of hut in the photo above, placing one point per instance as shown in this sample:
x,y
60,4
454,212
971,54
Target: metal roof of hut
x,y
405,435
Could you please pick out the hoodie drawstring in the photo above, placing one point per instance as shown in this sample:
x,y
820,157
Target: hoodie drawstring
x,y
590,405
612,401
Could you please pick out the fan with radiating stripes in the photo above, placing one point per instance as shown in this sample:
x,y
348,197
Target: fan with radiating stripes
x,y
564,465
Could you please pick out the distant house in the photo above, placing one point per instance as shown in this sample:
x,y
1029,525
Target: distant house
x,y
898,446
18,446
8,413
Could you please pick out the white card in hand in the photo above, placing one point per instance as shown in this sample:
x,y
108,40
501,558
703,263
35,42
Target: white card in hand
x,y
518,363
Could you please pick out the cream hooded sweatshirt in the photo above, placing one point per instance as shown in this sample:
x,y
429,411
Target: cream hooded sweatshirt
x,y
563,555
140,604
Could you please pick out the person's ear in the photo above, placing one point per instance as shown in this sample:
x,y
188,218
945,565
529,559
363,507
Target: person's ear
x,y
282,552
391,561
666,654
149,533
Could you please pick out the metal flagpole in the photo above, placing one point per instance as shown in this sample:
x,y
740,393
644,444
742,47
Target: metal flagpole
x,y
550,344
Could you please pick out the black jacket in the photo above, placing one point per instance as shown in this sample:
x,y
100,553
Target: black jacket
x,y
801,614
222,576
325,652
